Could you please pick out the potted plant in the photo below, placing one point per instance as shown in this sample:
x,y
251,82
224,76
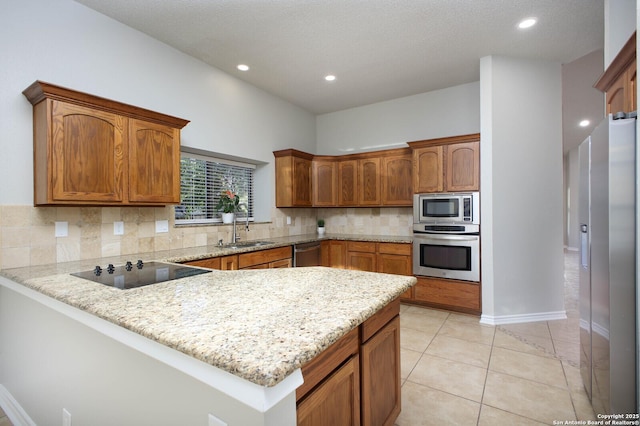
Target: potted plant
x,y
320,226
228,203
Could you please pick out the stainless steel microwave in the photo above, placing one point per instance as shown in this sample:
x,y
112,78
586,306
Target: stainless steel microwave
x,y
461,207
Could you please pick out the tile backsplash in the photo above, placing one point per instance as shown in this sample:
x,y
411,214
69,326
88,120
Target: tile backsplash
x,y
27,233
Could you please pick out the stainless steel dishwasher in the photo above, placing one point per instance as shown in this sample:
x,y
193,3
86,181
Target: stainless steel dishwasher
x,y
306,254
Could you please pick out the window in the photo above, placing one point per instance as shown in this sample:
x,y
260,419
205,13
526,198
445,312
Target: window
x,y
204,179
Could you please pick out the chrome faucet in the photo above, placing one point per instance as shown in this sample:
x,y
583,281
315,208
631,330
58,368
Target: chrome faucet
x,y
235,238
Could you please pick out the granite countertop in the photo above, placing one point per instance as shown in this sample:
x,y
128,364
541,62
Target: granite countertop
x,y
260,325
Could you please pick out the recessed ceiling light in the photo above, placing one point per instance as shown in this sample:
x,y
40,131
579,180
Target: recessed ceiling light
x,y
527,23
330,77
584,123
243,67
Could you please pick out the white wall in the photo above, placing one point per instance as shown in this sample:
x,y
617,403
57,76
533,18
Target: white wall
x,y
521,184
619,25
447,112
65,43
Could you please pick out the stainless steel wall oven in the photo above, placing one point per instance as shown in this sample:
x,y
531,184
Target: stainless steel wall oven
x,y
447,248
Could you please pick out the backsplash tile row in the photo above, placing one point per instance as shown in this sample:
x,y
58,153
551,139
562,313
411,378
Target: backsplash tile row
x,y
27,233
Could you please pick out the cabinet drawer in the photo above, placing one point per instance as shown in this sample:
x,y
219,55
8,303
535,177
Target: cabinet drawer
x,y
246,260
361,246
395,248
450,293
376,322
211,263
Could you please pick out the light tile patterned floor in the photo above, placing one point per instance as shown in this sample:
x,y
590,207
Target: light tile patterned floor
x,y
456,371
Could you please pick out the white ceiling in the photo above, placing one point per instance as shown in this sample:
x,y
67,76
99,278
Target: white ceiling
x,y
378,49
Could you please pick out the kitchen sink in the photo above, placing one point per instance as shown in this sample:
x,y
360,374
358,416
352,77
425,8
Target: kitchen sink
x,y
247,244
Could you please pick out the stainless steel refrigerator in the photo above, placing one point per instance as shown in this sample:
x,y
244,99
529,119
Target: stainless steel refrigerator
x,y
607,216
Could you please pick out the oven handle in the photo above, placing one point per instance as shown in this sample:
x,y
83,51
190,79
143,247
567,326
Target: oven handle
x,y
450,237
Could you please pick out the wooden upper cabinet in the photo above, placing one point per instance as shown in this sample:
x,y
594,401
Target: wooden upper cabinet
x,y
348,182
154,163
619,80
293,178
325,182
397,180
369,182
79,171
447,164
462,167
428,169
93,151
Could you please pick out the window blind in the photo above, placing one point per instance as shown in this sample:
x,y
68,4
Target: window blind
x,y
204,179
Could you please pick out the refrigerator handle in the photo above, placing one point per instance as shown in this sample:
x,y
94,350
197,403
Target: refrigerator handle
x,y
584,246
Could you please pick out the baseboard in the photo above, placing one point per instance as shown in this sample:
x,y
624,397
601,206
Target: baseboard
x,y
515,319
13,410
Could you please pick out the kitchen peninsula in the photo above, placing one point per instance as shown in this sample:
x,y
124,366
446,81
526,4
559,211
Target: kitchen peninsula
x,y
225,347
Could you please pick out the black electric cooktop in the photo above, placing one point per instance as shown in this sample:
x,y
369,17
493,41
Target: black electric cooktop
x,y
132,275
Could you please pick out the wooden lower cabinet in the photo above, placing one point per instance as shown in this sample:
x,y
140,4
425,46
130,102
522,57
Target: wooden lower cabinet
x,y
396,258
456,295
211,263
380,379
266,258
336,401
229,263
337,256
361,256
356,381
280,257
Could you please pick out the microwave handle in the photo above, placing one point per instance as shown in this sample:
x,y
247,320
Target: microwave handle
x,y
452,237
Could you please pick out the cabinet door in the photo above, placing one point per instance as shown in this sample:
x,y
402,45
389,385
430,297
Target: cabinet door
x,y
369,182
397,184
154,163
621,96
336,401
301,182
338,254
325,183
616,96
325,249
229,263
394,264
428,172
293,178
87,155
348,182
463,167
380,390
361,261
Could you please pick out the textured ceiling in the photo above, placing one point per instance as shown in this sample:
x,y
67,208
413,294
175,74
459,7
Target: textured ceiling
x,y
378,49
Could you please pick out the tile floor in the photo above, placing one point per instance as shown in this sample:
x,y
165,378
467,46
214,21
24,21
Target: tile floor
x,y
456,371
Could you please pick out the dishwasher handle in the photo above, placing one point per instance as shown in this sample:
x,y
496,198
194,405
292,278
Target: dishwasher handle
x,y
306,248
